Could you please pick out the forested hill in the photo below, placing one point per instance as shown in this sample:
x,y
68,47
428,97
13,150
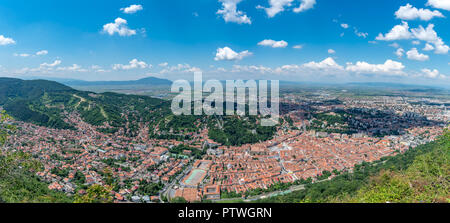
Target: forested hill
x,y
45,102
48,103
12,88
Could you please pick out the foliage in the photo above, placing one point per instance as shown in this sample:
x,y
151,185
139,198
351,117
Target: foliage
x,y
426,180
96,194
236,131
18,183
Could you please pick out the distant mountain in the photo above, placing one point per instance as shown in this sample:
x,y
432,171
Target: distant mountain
x,y
152,81
392,85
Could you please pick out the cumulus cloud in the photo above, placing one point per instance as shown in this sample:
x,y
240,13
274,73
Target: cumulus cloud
x,y
430,36
73,68
298,47
39,53
273,43
54,64
345,26
22,55
399,52
42,53
389,67
397,33
413,54
408,12
328,63
230,13
6,41
251,69
133,64
132,9
276,6
428,47
440,4
360,34
165,64
227,53
331,51
431,73
395,45
120,27
180,68
305,5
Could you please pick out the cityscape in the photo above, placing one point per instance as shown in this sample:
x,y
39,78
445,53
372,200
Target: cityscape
x,y
360,102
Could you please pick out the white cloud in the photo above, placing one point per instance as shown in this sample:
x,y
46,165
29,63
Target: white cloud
x,y
22,55
413,54
6,41
163,64
133,64
227,53
360,34
389,67
251,69
42,53
328,63
276,6
120,27
431,73
395,45
408,12
397,33
73,68
430,36
331,51
428,47
298,47
39,53
416,42
305,5
54,64
273,43
345,26
230,13
399,52
180,68
132,9
440,4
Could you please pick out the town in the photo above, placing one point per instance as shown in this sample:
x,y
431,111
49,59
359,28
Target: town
x,y
320,137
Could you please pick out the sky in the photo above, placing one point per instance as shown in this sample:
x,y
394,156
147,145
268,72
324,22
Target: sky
x,y
330,41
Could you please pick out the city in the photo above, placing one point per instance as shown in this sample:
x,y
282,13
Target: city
x,y
307,146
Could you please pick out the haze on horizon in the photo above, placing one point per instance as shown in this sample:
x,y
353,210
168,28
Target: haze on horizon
x,y
294,40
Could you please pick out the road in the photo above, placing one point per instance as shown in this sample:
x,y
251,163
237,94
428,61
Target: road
x,y
164,192
271,194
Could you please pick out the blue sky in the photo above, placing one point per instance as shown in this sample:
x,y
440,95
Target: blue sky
x,y
305,40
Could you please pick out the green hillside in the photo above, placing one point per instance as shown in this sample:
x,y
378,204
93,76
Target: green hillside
x,y
47,103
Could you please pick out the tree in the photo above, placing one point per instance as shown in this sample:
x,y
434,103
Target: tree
x,y
96,194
